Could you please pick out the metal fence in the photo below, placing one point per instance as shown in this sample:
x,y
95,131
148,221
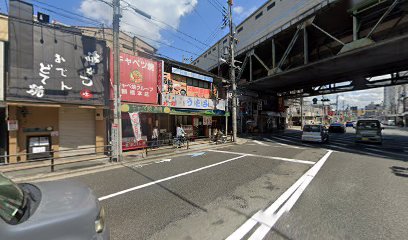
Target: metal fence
x,y
53,160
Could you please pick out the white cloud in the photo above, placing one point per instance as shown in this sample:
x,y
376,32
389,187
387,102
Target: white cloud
x,y
238,9
358,98
241,13
169,11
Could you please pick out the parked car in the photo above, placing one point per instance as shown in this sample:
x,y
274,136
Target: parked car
x,y
337,128
369,130
349,124
50,210
315,133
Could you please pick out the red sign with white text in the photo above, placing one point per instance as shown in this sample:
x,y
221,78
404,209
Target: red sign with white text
x,y
138,79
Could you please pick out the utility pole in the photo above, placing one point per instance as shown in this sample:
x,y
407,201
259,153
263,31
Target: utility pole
x,y
117,121
232,72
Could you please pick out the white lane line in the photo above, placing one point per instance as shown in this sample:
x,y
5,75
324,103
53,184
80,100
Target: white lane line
x,y
268,218
282,144
260,143
268,157
286,140
168,178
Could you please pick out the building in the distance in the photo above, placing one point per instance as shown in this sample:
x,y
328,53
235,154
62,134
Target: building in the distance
x,y
396,105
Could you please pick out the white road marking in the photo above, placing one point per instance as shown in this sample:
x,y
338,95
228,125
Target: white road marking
x,y
282,144
284,203
286,140
268,157
260,143
167,178
164,160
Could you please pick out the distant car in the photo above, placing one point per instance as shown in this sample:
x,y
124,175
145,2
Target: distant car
x,y
369,130
349,124
315,133
50,210
337,128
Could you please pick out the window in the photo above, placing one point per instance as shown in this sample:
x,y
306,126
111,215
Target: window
x,y
209,52
214,49
206,85
195,82
240,29
201,84
258,15
270,6
205,55
189,82
225,41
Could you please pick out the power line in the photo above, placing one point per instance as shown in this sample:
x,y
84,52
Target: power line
x,y
177,36
216,7
164,23
7,8
90,20
160,42
220,4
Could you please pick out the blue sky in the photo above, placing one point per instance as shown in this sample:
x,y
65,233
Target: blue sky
x,y
195,25
197,18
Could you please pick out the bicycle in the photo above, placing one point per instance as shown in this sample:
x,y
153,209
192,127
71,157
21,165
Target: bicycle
x,y
179,142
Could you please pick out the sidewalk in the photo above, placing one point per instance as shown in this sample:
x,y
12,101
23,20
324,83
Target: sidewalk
x,y
80,168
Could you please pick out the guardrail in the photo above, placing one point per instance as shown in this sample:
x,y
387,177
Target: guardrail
x,y
163,144
55,161
52,161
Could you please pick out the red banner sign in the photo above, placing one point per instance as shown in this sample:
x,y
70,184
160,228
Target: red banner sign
x,y
138,79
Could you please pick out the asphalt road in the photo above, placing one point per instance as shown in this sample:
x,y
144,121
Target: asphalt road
x,y
272,187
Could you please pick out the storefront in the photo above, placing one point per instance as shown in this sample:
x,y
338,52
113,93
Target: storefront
x,y
194,100
139,79
56,91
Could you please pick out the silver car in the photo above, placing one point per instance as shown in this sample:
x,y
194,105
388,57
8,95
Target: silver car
x,y
56,210
369,130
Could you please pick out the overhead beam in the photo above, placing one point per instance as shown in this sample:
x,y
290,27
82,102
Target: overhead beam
x,y
328,34
383,16
289,48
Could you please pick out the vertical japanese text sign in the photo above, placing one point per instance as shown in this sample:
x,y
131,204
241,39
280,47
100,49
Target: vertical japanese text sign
x,y
66,67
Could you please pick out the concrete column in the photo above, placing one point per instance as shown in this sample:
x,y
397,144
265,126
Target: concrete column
x,y
273,54
355,28
100,131
13,144
305,46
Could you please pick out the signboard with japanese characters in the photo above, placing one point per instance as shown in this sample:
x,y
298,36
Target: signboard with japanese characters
x,y
178,101
58,66
138,79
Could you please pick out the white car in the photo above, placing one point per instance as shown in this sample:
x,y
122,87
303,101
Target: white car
x,y
315,133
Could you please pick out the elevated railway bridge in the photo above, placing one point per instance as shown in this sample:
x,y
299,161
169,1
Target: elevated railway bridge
x,y
334,46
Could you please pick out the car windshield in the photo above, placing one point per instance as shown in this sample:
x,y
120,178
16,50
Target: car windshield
x,y
368,125
11,199
311,128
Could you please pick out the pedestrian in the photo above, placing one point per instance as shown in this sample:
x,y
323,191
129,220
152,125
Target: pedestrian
x,y
180,133
155,137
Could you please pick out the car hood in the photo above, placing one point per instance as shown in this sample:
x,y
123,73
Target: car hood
x,y
67,210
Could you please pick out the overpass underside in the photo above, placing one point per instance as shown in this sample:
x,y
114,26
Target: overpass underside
x,y
337,49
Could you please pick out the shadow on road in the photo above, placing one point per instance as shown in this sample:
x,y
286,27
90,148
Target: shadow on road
x,y
399,171
392,147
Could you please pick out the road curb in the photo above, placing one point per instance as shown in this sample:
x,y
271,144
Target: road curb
x,y
110,166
